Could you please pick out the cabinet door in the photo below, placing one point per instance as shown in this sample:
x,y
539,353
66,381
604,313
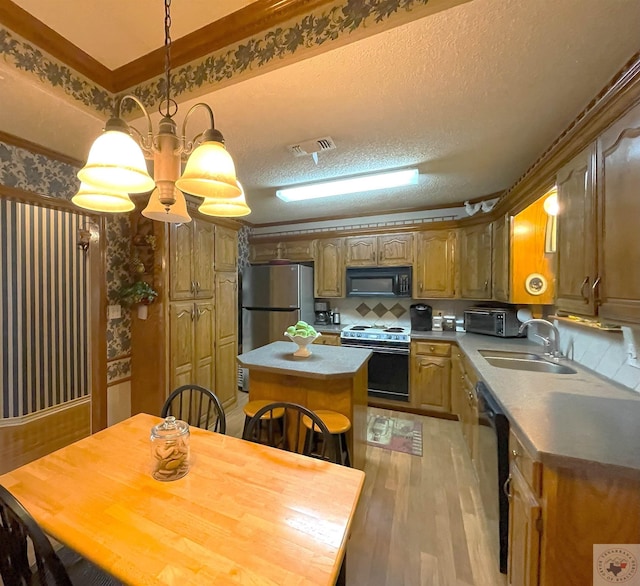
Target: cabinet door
x,y
203,259
395,249
434,267
204,344
328,340
619,252
329,268
263,252
299,250
226,373
181,282
475,262
182,370
576,258
524,534
227,307
226,249
431,383
500,259
458,398
361,251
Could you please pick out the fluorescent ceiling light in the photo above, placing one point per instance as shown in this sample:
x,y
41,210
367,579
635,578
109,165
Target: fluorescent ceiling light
x,y
353,185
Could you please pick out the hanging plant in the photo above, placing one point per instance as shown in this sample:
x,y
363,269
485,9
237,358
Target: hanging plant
x,y
138,292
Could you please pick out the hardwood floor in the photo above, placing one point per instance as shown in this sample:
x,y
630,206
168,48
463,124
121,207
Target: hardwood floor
x,y
420,520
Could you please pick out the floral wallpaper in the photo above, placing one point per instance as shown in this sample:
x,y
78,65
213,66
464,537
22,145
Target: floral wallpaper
x,y
305,32
22,169
243,247
29,171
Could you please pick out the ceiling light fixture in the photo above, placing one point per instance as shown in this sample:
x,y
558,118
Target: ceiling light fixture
x,y
369,182
116,164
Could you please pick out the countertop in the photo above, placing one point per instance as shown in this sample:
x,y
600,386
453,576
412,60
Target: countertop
x,y
325,362
565,419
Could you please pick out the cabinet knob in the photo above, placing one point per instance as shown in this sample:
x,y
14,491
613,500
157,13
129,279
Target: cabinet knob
x,y
486,284
432,348
515,454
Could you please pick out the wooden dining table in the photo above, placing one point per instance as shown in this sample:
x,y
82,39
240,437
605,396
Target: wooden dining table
x,y
244,514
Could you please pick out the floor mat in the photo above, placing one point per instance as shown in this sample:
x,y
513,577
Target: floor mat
x,y
395,433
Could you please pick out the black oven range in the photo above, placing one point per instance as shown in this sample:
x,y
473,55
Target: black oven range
x,y
389,363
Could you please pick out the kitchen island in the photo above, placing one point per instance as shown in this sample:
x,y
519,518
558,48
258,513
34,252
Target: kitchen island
x,y
331,377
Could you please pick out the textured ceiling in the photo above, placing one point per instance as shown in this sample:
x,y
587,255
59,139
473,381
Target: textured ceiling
x,y
471,96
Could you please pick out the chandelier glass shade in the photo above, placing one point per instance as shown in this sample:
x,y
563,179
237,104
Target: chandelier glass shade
x,y
228,207
102,199
116,163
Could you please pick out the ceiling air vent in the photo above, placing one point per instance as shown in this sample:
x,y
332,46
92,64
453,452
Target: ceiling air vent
x,y
309,147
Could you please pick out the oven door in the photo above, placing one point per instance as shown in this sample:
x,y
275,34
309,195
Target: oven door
x,y
389,375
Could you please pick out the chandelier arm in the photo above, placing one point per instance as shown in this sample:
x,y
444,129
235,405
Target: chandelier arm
x,y
145,142
209,134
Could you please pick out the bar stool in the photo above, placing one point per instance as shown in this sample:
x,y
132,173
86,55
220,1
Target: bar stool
x,y
338,426
252,407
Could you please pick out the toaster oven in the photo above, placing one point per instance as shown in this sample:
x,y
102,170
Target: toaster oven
x,y
492,321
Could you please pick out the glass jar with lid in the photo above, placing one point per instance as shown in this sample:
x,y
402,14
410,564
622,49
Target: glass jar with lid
x,y
170,449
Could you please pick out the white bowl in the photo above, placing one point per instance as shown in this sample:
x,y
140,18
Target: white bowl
x,y
303,342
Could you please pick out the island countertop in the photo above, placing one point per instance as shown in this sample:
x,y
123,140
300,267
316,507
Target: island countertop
x,y
325,362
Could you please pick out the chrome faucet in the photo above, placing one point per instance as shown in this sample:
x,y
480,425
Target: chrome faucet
x,y
552,345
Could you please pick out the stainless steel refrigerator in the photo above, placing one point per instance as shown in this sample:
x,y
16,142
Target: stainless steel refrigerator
x,y
273,298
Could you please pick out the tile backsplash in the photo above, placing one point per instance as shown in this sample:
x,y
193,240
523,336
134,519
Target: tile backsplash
x,y
389,312
604,352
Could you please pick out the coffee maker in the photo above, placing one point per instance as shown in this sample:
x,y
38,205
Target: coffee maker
x,y
421,317
323,317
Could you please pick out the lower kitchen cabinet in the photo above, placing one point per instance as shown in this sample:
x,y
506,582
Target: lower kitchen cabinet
x,y
192,346
430,376
525,516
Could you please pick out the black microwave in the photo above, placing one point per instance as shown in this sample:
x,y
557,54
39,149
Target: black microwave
x,y
379,282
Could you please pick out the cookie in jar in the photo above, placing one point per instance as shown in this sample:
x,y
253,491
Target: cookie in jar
x,y
170,449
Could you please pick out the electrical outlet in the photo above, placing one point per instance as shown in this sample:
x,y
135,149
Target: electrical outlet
x,y
114,311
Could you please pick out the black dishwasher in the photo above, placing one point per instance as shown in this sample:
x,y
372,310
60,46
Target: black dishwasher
x,y
493,468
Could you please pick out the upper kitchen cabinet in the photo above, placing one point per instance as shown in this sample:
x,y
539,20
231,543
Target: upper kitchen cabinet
x,y
500,259
383,250
576,263
617,292
293,250
475,261
328,268
532,252
191,250
226,249
434,269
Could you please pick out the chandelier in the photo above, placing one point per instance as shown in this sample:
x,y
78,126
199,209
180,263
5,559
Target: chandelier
x,y
116,165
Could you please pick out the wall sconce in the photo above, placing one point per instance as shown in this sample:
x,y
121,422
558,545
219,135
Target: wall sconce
x,y
87,234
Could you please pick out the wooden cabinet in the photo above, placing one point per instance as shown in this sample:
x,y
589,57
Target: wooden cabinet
x,y
475,261
525,516
294,250
226,249
191,352
617,293
226,337
430,376
434,269
328,271
576,258
191,251
328,340
383,250
500,259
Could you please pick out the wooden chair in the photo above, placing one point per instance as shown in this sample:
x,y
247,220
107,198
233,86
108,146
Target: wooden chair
x,y
252,407
264,430
198,406
21,537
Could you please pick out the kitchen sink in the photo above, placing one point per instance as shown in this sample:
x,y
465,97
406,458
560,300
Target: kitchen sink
x,y
505,354
529,364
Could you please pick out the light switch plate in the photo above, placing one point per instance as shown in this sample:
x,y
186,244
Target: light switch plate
x,y
114,311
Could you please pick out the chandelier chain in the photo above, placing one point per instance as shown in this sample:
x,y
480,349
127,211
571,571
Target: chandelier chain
x,y
167,55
